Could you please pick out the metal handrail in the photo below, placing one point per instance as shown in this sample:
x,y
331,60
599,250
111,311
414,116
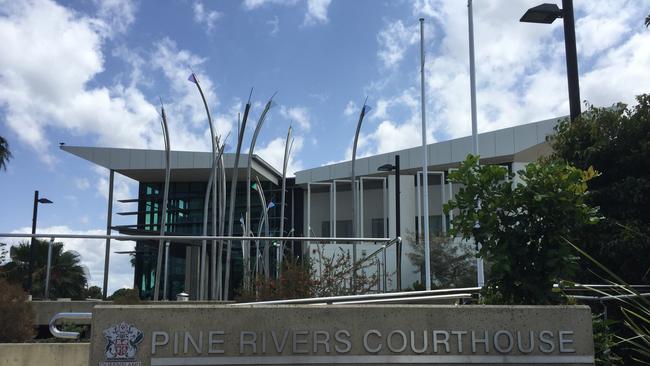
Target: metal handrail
x,y
608,297
191,237
385,246
389,295
409,300
67,316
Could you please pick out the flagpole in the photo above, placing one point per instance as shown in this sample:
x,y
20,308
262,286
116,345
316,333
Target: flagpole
x,y
425,164
472,81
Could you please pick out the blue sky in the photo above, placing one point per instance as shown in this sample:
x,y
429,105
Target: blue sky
x,y
91,73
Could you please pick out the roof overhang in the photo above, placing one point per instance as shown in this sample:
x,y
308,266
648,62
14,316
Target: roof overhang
x,y
523,143
186,166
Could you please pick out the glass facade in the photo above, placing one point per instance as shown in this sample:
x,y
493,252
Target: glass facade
x,y
185,217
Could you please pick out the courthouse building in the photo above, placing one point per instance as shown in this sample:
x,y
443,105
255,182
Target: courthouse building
x,y
318,201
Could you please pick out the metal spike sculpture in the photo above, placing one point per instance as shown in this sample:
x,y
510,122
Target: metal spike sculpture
x,y
163,216
354,197
263,223
203,256
216,284
246,245
287,151
213,186
233,190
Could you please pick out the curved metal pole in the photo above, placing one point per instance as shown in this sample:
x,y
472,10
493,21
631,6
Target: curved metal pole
x,y
258,127
71,318
264,222
287,151
354,197
221,168
163,216
203,256
193,78
233,190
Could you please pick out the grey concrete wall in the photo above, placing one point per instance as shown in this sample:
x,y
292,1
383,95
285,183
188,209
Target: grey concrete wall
x,y
306,335
51,354
45,310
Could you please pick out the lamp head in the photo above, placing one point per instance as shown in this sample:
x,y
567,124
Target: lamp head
x,y
386,168
545,14
44,200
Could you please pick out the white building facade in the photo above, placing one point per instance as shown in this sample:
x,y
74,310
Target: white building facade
x,y
328,197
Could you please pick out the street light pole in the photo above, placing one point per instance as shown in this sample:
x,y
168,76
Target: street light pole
x,y
32,246
398,221
546,14
398,225
571,58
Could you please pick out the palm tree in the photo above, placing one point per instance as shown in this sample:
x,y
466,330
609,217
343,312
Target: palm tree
x,y
5,154
68,278
647,21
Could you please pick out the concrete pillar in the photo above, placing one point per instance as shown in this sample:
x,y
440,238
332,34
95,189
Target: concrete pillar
x,y
407,213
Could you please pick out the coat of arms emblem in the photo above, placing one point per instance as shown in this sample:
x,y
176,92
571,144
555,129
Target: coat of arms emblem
x,y
122,342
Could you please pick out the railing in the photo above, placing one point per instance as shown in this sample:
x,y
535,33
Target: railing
x,y
195,240
57,333
391,297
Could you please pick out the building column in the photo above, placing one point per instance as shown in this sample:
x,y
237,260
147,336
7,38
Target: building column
x,y
408,212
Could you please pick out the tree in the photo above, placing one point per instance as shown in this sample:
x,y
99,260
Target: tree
x,y
5,154
452,262
522,226
125,296
93,292
616,142
323,276
3,253
68,278
647,21
16,315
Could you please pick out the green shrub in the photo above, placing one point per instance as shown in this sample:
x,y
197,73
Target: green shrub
x,y
522,224
16,316
125,296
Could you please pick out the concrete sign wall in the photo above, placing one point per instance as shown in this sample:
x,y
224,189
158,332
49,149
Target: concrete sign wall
x,y
340,335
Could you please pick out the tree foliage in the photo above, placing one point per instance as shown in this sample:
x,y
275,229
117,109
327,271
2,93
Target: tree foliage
x,y
452,262
5,154
616,142
522,225
319,277
93,292
16,315
125,296
68,278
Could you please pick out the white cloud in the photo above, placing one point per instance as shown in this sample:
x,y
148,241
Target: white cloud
x,y
520,68
298,114
351,109
317,12
91,252
60,96
275,25
394,40
36,98
399,127
117,15
82,183
273,153
208,18
254,4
